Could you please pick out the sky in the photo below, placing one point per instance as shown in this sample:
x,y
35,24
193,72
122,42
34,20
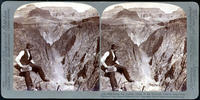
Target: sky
x,y
80,7
167,8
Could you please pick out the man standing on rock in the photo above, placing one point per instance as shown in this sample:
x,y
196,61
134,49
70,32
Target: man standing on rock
x,y
25,64
110,65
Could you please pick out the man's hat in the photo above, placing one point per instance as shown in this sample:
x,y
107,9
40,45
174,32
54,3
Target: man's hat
x,y
29,45
113,46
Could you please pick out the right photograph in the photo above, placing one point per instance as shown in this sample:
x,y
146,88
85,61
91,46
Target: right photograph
x,y
143,47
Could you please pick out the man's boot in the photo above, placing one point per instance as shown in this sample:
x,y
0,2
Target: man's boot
x,y
118,89
30,88
130,80
46,80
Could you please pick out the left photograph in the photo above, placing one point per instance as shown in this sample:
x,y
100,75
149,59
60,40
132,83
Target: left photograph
x,y
56,47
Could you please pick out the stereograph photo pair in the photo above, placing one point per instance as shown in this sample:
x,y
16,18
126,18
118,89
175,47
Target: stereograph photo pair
x,y
61,47
114,50
57,47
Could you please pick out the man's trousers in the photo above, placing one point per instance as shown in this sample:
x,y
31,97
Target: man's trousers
x,y
26,75
111,75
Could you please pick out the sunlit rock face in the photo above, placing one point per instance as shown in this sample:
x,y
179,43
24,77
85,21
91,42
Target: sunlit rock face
x,y
152,46
65,47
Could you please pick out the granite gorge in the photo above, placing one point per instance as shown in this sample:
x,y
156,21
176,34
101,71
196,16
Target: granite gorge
x,y
110,65
25,64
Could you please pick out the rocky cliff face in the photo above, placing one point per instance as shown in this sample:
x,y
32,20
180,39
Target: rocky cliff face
x,y
67,50
154,52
